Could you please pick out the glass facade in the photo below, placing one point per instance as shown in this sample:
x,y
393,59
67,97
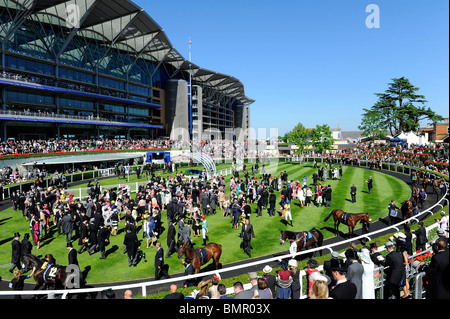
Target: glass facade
x,y
113,67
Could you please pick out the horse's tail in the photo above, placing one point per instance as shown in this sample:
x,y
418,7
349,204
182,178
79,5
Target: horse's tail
x,y
326,218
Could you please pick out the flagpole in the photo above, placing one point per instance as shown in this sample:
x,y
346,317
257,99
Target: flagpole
x,y
190,89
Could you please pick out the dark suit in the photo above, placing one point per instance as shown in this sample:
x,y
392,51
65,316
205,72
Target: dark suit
x,y
328,197
84,234
345,290
103,237
131,242
272,203
170,239
160,268
421,239
395,273
353,193
247,234
174,295
16,253
439,278
271,281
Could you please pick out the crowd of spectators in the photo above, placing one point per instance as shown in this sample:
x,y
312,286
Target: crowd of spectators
x,y
434,158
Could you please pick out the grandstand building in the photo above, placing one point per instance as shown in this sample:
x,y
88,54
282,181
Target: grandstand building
x,y
105,68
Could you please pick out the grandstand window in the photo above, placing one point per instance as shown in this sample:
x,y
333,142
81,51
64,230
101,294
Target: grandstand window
x,y
77,103
138,111
76,75
27,97
111,83
138,89
112,108
29,65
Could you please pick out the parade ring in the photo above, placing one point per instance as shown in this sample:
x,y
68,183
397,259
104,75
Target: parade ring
x,y
147,267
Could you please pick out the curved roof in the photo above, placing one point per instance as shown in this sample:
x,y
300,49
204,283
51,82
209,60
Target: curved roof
x,y
122,22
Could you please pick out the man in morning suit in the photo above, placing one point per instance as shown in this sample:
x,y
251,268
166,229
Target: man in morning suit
x,y
343,289
160,268
246,235
395,271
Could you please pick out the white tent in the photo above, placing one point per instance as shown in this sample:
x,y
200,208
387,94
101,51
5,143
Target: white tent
x,y
412,138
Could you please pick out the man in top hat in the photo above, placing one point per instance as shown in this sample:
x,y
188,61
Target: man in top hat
x,y
246,235
16,253
421,237
355,271
327,267
343,289
171,237
103,239
72,257
395,271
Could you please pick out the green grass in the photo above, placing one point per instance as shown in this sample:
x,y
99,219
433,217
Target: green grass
x,y
115,267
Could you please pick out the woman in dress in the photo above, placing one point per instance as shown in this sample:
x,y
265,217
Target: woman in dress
x,y
368,287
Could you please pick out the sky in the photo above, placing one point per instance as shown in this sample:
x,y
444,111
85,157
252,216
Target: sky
x,y
315,62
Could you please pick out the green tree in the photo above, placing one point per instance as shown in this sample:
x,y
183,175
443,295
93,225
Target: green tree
x,y
299,135
400,108
371,124
321,138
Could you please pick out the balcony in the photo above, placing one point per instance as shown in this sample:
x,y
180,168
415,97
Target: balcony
x,y
10,115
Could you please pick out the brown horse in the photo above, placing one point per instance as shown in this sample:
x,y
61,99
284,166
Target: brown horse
x,y
347,219
406,209
54,276
436,184
313,238
201,256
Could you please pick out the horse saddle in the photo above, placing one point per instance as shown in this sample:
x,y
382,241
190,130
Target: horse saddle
x,y
305,237
50,273
202,254
344,218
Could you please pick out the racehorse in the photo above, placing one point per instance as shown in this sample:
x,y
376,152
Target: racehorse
x,y
347,219
55,276
436,184
406,209
313,238
201,256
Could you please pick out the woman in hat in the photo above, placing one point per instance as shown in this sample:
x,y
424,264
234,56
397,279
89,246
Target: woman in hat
x,y
284,281
311,268
204,290
319,289
35,230
368,287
